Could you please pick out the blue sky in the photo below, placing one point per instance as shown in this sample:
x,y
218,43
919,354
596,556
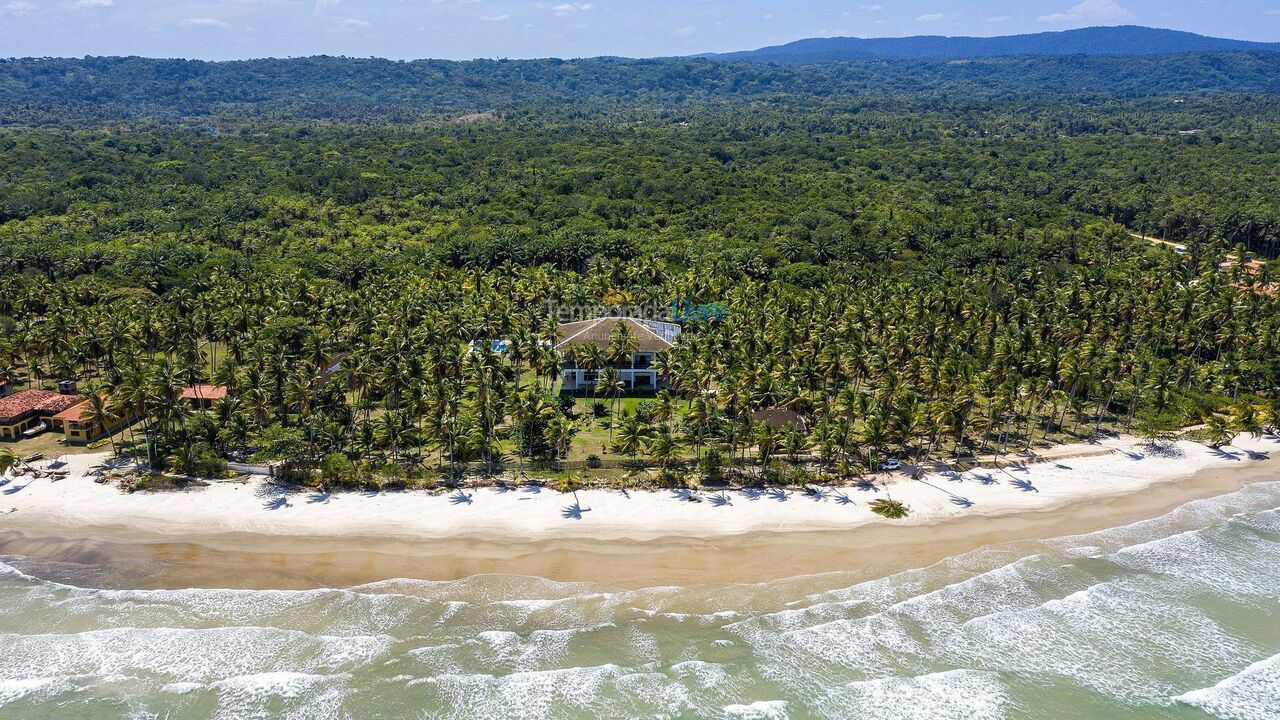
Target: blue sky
x,y
460,29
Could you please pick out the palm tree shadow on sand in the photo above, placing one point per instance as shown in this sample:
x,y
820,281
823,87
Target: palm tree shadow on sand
x,y
321,498
1223,454
277,503
867,486
574,511
843,499
963,502
1024,485
460,498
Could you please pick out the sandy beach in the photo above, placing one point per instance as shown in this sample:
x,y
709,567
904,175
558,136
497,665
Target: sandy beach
x,y
250,534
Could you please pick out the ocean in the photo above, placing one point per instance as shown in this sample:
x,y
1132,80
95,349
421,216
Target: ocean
x,y
1174,617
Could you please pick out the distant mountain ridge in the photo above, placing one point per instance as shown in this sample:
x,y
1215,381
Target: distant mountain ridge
x,y
1118,40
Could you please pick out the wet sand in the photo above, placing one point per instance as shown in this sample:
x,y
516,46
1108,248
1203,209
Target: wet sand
x,y
141,559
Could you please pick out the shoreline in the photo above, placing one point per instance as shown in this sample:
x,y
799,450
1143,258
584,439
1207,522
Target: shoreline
x,y
226,535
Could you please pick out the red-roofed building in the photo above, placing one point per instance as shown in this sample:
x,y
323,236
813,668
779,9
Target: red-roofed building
x,y
28,409
80,431
1252,269
202,397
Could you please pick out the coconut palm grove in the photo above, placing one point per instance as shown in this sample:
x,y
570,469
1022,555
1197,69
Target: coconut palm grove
x,y
791,271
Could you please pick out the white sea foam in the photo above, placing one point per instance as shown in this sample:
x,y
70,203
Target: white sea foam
x,y
706,675
525,694
760,710
1131,614
956,694
183,655
32,688
294,695
1117,637
1251,694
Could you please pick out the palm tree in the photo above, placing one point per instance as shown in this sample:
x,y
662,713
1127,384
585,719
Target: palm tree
x,y
632,437
560,432
795,440
663,446
874,432
610,382
1217,428
529,409
100,412
768,440
181,459
8,459
699,414
1248,418
889,508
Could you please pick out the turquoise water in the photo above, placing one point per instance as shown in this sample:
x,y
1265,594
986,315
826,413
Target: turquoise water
x,y
1176,617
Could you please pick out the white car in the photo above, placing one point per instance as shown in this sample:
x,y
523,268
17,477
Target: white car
x,y
890,465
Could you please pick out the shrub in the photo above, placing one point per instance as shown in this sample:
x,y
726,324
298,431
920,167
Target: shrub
x,y
644,411
279,443
892,509
336,469
599,409
799,477
594,462
711,466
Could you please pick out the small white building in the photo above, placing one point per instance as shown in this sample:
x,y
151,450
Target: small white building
x,y
651,336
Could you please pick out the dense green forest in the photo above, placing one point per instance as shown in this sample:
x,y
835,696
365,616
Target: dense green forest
x,y
108,90
914,274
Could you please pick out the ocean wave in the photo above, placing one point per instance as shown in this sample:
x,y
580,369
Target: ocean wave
x,y
32,688
759,710
184,655
955,694
1251,694
1131,617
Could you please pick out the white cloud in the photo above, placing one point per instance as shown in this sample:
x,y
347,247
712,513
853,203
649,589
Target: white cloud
x,y
686,31
18,7
494,18
205,22
89,4
1271,12
998,18
353,23
567,9
1104,10
931,17
871,8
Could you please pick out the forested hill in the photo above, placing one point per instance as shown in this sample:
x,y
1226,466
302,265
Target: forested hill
x,y
114,89
1123,40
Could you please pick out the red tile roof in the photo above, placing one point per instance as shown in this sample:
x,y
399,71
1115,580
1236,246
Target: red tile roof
x,y
42,402
74,413
204,392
